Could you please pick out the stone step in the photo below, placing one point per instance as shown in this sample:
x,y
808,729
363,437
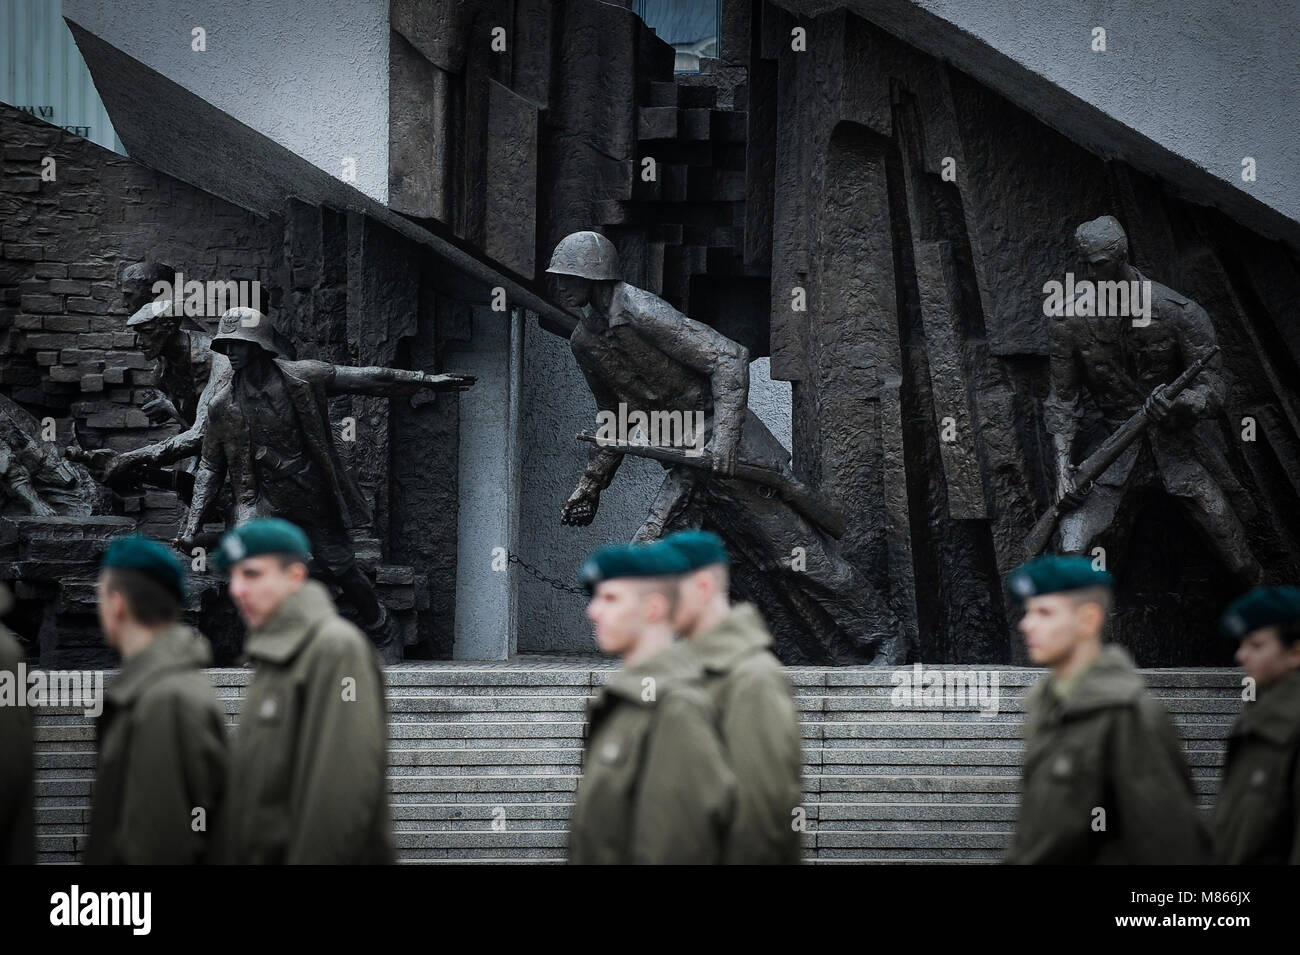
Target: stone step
x,y
474,745
595,673
58,737
858,709
971,756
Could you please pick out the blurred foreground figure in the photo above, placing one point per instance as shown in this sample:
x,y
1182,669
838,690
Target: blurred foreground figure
x,y
161,772
308,767
1257,818
757,715
655,785
1104,779
17,758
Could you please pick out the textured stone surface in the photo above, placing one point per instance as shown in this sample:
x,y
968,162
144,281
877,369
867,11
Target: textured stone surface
x,y
865,130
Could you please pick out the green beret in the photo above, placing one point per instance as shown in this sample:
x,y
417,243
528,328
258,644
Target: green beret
x,y
262,535
1055,573
630,560
1262,607
148,556
699,548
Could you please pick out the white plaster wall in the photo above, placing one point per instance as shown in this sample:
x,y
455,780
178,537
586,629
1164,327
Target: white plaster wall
x,y
310,74
1211,80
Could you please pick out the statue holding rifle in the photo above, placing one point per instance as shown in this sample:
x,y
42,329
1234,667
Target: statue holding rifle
x,y
1128,367
636,349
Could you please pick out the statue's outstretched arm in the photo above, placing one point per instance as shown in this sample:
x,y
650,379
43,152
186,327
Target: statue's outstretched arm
x,y
388,382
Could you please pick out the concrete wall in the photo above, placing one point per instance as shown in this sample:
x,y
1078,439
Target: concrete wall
x,y
310,74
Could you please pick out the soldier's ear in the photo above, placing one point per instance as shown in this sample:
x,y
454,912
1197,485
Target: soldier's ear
x,y
657,607
1092,615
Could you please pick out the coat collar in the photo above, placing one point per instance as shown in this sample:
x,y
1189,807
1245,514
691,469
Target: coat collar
x,y
667,667
291,625
1110,680
1275,715
739,634
176,648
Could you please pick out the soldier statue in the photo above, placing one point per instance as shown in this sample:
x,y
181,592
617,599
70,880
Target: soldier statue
x,y
268,430
635,348
186,370
1121,362
188,373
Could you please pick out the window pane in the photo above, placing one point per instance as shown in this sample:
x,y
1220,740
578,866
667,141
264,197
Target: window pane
x,y
690,26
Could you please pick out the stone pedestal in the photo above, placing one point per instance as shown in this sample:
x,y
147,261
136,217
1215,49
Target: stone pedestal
x,y
55,560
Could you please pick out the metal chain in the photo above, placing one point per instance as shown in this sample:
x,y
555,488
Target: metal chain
x,y
534,572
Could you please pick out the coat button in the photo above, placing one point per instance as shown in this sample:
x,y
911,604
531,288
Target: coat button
x,y
268,710
609,752
1258,777
1062,766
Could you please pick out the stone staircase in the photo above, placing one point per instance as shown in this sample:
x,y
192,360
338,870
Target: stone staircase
x,y
485,759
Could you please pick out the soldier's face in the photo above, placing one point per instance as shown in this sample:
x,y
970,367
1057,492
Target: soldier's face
x,y
258,585
135,292
1053,626
241,354
1105,267
1265,658
112,611
617,611
153,337
572,290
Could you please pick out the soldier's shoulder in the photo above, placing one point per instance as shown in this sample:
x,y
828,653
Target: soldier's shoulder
x,y
220,364
1069,324
626,293
760,669
221,397
636,306
1150,713
178,693
1163,295
337,637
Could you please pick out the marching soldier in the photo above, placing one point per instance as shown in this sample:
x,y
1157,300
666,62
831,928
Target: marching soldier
x,y
161,772
17,760
758,718
308,768
1104,780
655,785
1257,818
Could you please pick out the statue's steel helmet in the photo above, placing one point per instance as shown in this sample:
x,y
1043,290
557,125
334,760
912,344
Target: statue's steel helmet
x,y
588,255
246,325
